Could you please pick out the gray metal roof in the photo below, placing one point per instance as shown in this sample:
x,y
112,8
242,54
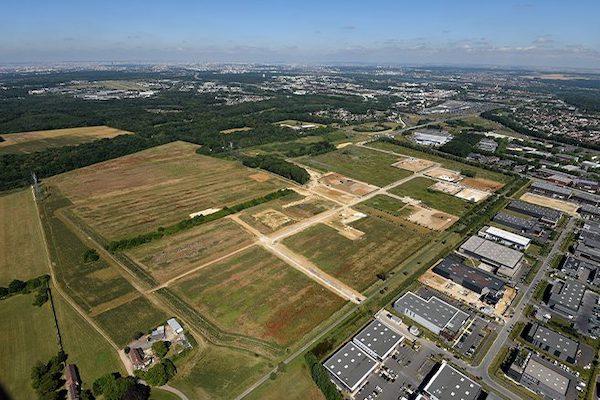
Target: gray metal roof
x,y
434,310
589,209
449,384
534,210
378,338
492,251
458,271
549,187
554,340
512,220
547,376
569,295
350,365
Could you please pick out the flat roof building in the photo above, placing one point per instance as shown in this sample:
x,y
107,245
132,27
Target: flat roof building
x,y
588,211
494,254
449,384
434,314
350,366
431,137
505,237
553,342
454,268
550,189
525,225
582,250
544,378
377,340
581,270
544,214
586,198
567,296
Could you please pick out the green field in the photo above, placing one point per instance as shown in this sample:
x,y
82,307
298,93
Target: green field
x,y
359,163
450,164
417,188
122,322
173,255
85,347
22,253
29,142
157,187
386,244
158,394
218,373
27,335
90,284
256,294
387,204
295,383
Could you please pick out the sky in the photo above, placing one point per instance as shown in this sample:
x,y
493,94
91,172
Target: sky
x,y
560,34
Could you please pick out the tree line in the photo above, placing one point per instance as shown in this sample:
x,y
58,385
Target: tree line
x,y
17,286
278,166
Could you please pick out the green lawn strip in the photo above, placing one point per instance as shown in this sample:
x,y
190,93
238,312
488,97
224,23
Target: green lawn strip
x,y
27,335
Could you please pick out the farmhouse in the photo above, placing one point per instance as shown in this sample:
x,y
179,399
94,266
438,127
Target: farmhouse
x,y
138,358
544,214
377,340
567,296
505,237
448,383
72,382
454,268
434,314
553,342
504,258
350,366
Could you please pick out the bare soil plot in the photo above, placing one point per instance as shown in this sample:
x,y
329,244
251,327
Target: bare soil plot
x,y
472,195
269,217
431,218
21,243
257,294
156,187
172,256
29,142
234,130
419,188
444,174
482,184
359,163
342,223
447,187
334,195
560,205
413,164
340,182
384,245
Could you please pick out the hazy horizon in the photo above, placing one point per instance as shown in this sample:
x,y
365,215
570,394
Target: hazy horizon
x,y
535,34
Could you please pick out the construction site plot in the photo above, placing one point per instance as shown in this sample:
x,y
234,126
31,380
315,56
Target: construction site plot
x,y
482,184
347,185
472,195
341,223
560,205
444,174
431,218
447,187
413,164
460,293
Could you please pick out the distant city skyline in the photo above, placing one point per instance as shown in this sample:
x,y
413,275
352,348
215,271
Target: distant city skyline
x,y
556,34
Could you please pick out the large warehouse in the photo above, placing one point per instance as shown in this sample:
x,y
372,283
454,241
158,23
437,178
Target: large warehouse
x,y
544,214
506,259
350,366
434,314
567,296
377,340
505,237
553,342
448,383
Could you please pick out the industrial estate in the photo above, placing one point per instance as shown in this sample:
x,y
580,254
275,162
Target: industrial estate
x,y
267,232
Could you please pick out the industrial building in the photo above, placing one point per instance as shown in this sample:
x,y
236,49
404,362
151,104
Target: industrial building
x,y
448,384
505,237
543,377
489,286
544,214
431,137
507,260
590,212
583,250
585,198
377,340
580,270
350,366
553,342
487,145
527,226
567,296
549,189
434,314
